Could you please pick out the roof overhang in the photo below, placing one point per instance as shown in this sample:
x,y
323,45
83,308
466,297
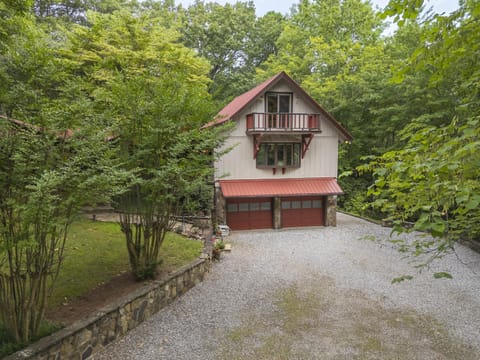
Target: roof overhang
x,y
280,187
237,105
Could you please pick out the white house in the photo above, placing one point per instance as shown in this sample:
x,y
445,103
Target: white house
x,y
282,169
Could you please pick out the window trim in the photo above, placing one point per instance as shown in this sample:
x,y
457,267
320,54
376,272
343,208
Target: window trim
x,y
278,94
263,150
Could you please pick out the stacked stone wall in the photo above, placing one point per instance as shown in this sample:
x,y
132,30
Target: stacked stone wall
x,y
86,337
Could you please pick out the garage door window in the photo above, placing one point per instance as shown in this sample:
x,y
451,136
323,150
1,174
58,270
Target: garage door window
x,y
296,204
249,206
265,206
243,207
307,204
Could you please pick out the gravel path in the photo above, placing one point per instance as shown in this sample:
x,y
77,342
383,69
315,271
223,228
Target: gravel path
x,y
317,293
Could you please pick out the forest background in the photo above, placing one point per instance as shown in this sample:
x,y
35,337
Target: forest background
x,y
150,73
410,99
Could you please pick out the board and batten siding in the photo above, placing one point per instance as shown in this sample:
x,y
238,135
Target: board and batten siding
x,y
320,160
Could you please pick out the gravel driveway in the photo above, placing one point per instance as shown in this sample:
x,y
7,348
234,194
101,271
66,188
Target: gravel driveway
x,y
317,293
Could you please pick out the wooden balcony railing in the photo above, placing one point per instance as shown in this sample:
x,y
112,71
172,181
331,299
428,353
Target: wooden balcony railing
x,y
283,122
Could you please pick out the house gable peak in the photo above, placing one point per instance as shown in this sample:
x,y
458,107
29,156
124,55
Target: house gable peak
x,y
242,101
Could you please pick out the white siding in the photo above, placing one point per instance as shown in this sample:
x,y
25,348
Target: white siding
x,y
320,160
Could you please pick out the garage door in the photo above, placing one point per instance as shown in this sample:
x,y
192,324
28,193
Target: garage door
x,y
246,214
302,211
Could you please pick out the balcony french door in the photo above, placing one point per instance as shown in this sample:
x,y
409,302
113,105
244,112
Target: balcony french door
x,y
279,105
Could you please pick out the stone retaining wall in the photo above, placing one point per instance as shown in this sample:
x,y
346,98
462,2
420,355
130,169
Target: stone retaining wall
x,y
84,338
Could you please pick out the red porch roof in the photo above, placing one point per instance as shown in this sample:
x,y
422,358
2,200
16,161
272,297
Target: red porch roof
x,y
280,187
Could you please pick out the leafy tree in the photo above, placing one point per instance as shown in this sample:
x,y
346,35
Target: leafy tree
x,y
155,90
433,180
75,10
47,172
233,40
45,178
313,28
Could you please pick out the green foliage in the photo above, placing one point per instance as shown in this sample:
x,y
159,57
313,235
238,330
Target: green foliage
x,y
8,345
432,181
44,180
401,279
156,91
233,40
95,252
442,275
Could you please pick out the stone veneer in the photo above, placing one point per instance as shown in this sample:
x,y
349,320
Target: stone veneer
x,y
85,337
331,205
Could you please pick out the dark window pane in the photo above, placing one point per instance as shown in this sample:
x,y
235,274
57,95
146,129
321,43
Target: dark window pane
x,y
286,205
284,103
232,207
272,103
280,155
317,204
261,157
254,206
296,155
307,204
243,207
296,204
265,205
271,155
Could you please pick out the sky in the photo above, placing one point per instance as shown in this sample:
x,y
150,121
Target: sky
x,y
283,6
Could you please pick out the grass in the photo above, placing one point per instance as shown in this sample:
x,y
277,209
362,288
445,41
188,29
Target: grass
x,y
96,251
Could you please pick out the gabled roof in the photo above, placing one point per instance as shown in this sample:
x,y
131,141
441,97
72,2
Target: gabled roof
x,y
241,102
280,187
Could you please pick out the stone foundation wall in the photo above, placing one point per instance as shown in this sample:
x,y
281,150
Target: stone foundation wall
x,y
86,337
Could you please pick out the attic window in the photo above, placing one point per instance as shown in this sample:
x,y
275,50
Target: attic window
x,y
278,103
275,155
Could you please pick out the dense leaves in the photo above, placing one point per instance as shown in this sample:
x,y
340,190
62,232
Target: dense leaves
x,y
434,179
131,83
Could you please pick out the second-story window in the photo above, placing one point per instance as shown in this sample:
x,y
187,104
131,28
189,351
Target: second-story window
x,y
273,155
278,106
279,103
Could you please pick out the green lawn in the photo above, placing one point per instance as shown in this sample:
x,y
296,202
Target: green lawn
x,y
96,251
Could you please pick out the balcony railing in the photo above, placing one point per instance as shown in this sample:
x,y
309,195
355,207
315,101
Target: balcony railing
x,y
283,122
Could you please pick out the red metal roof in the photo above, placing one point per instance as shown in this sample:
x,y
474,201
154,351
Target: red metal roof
x,y
280,187
242,101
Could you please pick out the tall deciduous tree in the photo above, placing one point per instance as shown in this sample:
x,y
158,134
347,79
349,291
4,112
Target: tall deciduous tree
x,y
434,180
47,172
155,91
45,179
233,40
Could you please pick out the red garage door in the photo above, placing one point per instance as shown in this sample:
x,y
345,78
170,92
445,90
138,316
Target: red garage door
x,y
246,214
302,211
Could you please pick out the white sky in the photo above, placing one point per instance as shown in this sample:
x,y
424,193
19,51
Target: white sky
x,y
283,6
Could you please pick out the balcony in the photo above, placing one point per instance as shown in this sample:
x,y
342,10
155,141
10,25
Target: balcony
x,y
283,122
